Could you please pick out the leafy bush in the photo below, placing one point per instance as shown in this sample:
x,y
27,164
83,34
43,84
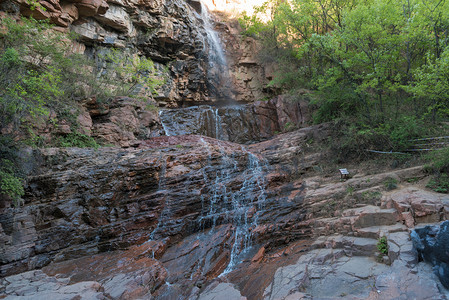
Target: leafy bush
x,y
438,161
76,139
439,183
10,175
351,141
124,74
382,245
39,73
439,167
402,131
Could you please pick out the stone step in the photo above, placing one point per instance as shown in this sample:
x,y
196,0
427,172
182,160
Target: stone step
x,y
371,215
351,245
375,232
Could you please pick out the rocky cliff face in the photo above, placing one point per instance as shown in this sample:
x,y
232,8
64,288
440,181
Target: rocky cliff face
x,y
172,33
164,220
194,195
242,124
194,217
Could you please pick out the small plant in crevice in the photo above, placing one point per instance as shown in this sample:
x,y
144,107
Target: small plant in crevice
x,y
371,196
413,180
391,184
350,190
289,126
382,245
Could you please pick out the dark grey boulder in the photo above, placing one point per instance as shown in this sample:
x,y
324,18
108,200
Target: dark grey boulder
x,y
432,244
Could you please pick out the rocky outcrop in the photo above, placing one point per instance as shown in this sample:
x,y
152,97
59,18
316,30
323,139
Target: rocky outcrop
x,y
418,206
168,218
122,121
171,33
242,124
346,270
432,243
81,202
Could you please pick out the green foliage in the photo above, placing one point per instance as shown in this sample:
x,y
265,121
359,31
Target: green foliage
x,y
350,141
37,71
11,182
402,131
432,83
371,196
413,180
438,161
381,64
382,245
126,75
289,126
350,190
76,139
439,183
391,184
438,166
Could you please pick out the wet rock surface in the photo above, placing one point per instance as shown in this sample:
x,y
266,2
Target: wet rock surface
x,y
192,217
243,124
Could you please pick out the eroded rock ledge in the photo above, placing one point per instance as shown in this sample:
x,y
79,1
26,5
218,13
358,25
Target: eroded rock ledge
x,y
146,222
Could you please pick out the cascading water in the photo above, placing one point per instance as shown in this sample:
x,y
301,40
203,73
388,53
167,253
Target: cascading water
x,y
201,120
218,72
241,206
236,123
234,183
161,190
216,52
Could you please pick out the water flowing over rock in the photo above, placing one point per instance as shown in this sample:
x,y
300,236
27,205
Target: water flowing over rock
x,y
242,124
219,81
169,188
192,217
232,123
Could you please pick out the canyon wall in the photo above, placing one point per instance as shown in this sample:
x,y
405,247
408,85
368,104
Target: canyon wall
x,y
172,33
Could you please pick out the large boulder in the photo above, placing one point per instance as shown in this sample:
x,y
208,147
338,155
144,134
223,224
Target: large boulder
x,y
432,244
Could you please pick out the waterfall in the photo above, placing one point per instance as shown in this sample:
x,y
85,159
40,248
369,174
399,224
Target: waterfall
x,y
236,123
219,79
216,52
241,206
201,120
165,212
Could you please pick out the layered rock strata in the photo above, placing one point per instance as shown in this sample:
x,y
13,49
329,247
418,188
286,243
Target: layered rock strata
x,y
195,218
243,124
171,33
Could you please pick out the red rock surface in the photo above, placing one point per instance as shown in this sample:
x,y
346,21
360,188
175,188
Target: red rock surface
x,y
153,222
